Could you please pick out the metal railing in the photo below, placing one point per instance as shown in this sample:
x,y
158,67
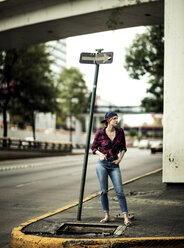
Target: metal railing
x,y
25,145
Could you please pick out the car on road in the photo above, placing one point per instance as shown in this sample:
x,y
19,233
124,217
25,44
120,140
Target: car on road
x,y
144,144
156,146
136,143
129,143
27,141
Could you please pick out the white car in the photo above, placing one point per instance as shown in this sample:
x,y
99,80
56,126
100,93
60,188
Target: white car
x,y
156,146
144,144
27,140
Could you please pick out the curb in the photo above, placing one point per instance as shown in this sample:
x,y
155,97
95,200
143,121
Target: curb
x,y
21,240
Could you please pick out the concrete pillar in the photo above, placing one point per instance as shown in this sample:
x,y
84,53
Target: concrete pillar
x,y
173,155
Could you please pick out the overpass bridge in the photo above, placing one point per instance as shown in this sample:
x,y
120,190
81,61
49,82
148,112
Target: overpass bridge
x,y
32,21
100,109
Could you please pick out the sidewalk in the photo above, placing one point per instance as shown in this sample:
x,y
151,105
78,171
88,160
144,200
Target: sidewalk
x,y
157,212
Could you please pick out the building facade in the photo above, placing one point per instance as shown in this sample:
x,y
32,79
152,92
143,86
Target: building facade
x,y
57,50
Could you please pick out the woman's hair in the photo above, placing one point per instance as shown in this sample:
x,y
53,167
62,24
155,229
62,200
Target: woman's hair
x,y
108,120
106,124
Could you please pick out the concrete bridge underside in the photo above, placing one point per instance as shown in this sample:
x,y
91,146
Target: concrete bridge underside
x,y
33,21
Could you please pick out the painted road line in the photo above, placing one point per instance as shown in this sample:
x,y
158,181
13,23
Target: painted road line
x,y
14,167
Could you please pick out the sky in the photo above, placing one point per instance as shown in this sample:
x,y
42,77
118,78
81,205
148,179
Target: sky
x,y
114,83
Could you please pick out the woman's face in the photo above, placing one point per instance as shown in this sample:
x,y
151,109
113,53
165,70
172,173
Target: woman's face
x,y
113,121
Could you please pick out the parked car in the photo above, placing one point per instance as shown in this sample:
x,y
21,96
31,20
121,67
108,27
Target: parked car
x,y
129,143
144,144
156,146
136,143
27,140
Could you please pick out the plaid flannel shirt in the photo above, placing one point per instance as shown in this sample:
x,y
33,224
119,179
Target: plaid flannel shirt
x,y
109,148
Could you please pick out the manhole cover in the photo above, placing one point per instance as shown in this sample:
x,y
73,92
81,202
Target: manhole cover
x,y
73,228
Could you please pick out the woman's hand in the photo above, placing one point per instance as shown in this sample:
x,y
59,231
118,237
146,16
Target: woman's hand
x,y
117,161
102,156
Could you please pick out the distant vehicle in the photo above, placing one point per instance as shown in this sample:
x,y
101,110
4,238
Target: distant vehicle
x,y
136,143
156,146
129,143
27,140
143,144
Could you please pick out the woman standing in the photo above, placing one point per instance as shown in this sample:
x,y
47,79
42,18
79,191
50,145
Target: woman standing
x,y
107,144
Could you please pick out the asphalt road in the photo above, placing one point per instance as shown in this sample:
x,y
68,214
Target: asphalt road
x,y
32,187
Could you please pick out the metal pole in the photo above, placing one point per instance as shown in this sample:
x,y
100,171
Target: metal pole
x,y
83,179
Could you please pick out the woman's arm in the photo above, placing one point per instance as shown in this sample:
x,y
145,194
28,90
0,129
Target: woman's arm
x,y
95,143
101,155
95,146
117,161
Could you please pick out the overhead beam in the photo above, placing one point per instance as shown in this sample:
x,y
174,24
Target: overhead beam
x,y
25,22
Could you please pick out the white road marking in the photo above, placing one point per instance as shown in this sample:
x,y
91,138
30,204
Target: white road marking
x,y
26,184
33,165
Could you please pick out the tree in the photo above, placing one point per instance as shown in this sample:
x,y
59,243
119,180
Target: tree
x,y
35,90
133,132
73,93
7,85
146,57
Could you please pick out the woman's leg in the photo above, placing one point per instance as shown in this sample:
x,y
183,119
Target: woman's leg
x,y
116,178
102,175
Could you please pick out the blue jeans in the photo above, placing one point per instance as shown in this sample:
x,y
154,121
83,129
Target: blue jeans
x,y
104,169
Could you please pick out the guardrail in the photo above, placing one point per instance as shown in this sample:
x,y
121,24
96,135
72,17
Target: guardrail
x,y
25,145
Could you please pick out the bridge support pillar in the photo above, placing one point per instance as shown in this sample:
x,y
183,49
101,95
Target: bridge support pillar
x,y
173,155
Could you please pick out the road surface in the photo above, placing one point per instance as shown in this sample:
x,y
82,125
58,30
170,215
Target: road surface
x,y
32,187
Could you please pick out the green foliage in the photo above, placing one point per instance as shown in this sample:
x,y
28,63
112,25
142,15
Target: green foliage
x,y
7,85
146,57
133,132
7,61
74,92
34,88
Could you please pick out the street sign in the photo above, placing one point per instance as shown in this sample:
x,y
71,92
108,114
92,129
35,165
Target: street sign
x,y
96,58
91,58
